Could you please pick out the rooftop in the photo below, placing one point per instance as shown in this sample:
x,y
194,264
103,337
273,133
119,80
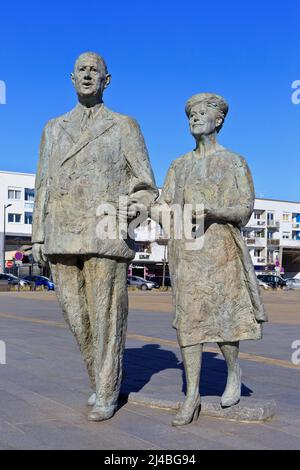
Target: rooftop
x,y
16,173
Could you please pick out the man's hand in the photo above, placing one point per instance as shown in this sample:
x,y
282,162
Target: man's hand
x,y
132,211
198,215
38,254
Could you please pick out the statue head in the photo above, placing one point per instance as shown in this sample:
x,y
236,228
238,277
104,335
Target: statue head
x,y
90,78
206,113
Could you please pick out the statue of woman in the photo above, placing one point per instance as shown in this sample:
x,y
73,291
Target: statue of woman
x,y
216,294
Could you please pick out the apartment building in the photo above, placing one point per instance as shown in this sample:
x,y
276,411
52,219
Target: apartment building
x,y
16,207
273,235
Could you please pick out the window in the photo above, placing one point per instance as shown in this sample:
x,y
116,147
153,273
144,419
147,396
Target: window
x,y
257,215
14,218
28,218
286,217
260,234
29,194
14,194
286,235
257,253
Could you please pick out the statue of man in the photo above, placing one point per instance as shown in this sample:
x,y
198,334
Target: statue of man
x,y
215,288
88,157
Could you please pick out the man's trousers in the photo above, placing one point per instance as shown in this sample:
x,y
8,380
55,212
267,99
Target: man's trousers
x,y
92,292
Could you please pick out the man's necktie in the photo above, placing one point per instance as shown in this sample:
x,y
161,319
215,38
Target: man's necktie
x,y
86,119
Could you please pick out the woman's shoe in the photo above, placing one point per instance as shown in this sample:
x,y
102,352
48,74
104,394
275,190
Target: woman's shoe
x,y
232,394
188,413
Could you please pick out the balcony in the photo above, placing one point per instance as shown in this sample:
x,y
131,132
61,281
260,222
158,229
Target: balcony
x,y
259,260
271,261
29,206
273,223
143,256
296,226
294,243
258,241
256,223
273,242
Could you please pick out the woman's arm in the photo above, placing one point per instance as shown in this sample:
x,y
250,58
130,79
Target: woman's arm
x,y
240,198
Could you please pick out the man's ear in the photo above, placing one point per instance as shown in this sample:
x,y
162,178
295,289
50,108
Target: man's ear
x,y
107,80
219,122
73,78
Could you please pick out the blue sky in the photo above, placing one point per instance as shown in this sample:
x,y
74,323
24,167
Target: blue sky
x,y
160,53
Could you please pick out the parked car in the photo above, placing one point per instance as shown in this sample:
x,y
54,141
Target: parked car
x,y
13,280
159,280
41,281
264,285
141,283
293,283
272,280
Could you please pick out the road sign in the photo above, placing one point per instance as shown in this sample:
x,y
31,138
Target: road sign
x,y
19,256
18,263
9,264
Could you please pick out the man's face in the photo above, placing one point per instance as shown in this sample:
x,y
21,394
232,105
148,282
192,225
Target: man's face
x,y
89,78
203,120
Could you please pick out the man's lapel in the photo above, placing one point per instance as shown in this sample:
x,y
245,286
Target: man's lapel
x,y
71,125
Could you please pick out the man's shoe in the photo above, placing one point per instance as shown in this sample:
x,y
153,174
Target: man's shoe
x,y
92,400
101,413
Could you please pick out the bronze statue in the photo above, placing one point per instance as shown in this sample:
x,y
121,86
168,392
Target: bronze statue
x,y
90,156
216,294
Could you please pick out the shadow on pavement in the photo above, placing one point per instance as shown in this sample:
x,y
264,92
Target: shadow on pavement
x,y
141,364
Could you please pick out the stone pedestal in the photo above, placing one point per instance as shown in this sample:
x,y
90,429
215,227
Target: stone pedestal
x,y
249,410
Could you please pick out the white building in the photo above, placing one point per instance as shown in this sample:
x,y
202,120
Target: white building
x,y
272,234
16,202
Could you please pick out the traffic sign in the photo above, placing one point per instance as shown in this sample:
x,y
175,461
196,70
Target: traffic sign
x,y
19,255
18,263
9,264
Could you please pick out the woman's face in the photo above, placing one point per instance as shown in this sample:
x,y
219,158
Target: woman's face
x,y
203,120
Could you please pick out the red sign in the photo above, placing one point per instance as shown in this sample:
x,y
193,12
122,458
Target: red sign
x,y
9,264
19,256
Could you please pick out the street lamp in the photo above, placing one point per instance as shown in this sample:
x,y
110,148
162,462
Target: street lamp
x,y
4,235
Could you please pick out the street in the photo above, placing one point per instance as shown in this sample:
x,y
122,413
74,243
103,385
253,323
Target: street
x,y
44,386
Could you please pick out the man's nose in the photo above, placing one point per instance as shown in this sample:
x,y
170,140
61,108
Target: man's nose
x,y
87,73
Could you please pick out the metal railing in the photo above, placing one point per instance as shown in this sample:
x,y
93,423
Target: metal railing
x,y
270,241
273,223
255,241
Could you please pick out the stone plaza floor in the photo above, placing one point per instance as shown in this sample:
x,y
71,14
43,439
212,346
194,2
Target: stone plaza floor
x,y
44,385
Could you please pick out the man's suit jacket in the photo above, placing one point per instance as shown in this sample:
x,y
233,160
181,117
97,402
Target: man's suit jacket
x,y
79,171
